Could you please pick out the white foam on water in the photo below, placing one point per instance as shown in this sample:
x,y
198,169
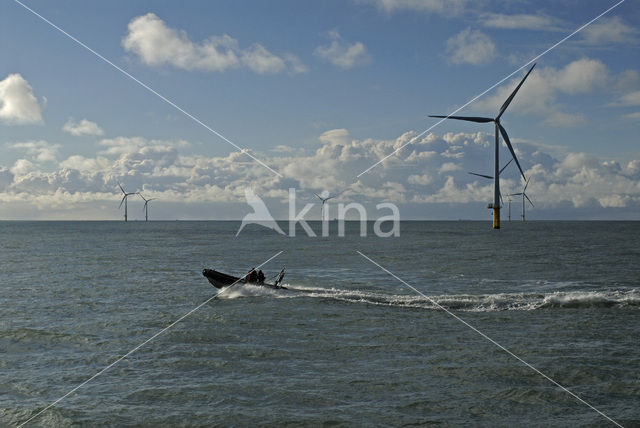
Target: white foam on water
x,y
247,290
476,303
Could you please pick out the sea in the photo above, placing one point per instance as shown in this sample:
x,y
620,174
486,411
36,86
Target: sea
x,y
449,324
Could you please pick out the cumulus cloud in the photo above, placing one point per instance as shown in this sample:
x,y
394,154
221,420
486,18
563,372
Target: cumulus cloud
x,y
536,22
629,99
22,167
342,54
261,61
539,95
429,172
39,151
18,105
470,47
609,30
156,44
83,127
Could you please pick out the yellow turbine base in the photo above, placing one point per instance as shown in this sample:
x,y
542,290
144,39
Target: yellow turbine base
x,y
496,218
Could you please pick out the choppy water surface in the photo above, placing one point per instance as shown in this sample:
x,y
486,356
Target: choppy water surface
x,y
347,344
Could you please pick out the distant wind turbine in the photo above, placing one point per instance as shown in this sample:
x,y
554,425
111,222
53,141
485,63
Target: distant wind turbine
x,y
146,206
324,199
524,195
499,130
124,199
490,177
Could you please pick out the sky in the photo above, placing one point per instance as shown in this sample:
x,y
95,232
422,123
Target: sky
x,y
201,100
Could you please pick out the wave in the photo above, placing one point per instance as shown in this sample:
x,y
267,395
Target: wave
x,y
457,302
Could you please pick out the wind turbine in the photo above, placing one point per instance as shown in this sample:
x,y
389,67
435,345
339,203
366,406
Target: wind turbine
x,y
490,177
124,199
325,199
499,130
524,195
146,206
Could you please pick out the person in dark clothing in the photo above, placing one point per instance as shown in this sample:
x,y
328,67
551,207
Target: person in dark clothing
x,y
260,277
252,276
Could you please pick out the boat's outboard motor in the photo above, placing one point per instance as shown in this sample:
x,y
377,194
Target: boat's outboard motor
x,y
279,278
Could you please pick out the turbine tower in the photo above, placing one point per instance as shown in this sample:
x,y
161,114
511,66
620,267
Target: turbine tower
x,y
490,177
499,130
524,195
146,206
124,199
325,199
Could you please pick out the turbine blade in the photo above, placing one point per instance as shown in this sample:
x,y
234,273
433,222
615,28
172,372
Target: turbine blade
x,y
121,188
508,143
525,185
504,167
513,94
121,202
317,195
140,194
515,194
482,175
525,195
468,118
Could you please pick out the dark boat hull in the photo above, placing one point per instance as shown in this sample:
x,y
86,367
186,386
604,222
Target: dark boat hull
x,y
221,280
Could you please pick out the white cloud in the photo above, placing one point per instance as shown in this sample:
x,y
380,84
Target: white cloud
x,y
615,201
40,151
341,54
609,30
444,7
261,61
536,22
561,119
295,65
156,44
449,167
629,99
470,47
83,127
540,92
18,105
124,145
431,171
21,167
420,179
580,76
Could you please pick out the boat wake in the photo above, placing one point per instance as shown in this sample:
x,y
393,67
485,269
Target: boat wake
x,y
477,303
248,290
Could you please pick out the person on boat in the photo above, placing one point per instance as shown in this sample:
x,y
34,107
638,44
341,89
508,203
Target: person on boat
x,y
252,276
260,277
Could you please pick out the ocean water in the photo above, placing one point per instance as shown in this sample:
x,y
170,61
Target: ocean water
x,y
346,345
